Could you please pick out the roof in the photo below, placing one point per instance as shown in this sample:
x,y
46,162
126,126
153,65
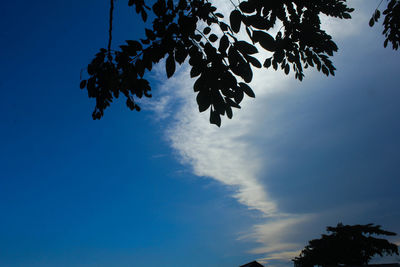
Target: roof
x,y
252,264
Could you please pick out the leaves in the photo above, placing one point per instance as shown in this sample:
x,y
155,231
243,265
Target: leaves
x,y
222,69
346,245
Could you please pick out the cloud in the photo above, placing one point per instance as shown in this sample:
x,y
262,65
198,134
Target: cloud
x,y
235,155
229,156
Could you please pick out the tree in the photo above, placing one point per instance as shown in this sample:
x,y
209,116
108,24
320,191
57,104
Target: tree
x,y
346,245
222,68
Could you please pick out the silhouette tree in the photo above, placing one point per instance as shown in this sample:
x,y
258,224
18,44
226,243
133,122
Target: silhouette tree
x,y
221,62
346,245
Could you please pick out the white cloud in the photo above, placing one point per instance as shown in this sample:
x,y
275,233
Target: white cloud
x,y
231,155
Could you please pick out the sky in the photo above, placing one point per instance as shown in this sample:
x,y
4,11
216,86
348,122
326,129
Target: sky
x,y
163,187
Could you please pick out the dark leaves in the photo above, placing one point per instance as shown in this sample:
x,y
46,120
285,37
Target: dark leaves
x,y
175,36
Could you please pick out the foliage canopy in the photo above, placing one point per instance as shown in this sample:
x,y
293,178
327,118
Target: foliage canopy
x,y
221,62
348,245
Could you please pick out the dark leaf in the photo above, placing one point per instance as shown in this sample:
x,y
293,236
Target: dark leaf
x,y
215,118
229,113
287,69
144,17
207,30
245,48
134,45
346,16
235,20
82,84
247,90
253,61
213,38
203,100
223,44
150,34
371,22
170,65
267,62
195,71
265,40
247,7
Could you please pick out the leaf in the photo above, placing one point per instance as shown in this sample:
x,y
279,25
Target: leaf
x,y
377,15
223,44
232,103
246,72
206,30
203,100
247,90
144,15
223,26
195,71
265,40
279,55
235,20
218,102
346,16
82,84
256,21
371,22
253,61
229,113
150,34
238,95
287,69
180,54
197,37
170,65
325,70
215,118
134,45
213,38
267,62
245,48
247,7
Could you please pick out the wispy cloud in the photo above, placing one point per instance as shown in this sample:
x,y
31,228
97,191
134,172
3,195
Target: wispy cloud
x,y
232,154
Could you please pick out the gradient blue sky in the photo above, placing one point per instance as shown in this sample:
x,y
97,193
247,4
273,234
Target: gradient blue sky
x,y
163,187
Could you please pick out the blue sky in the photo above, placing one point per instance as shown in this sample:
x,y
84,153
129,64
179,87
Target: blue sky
x,y
163,187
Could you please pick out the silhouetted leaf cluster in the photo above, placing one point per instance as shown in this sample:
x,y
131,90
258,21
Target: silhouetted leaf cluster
x,y
391,23
221,62
348,245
